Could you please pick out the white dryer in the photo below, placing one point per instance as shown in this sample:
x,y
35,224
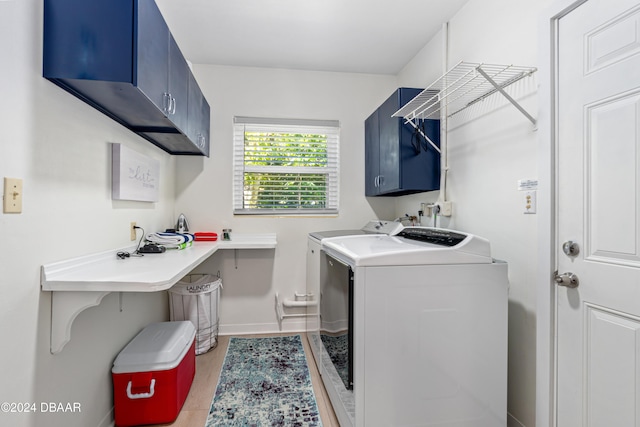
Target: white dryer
x,y
427,329
333,312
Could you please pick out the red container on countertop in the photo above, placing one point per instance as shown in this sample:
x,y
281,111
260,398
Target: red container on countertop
x,y
152,375
205,236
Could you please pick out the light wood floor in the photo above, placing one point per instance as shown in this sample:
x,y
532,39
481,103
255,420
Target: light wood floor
x,y
208,366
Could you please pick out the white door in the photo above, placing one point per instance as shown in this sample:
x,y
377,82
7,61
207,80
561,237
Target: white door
x,y
598,190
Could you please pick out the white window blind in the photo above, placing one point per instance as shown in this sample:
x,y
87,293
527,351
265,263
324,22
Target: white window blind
x,y
285,166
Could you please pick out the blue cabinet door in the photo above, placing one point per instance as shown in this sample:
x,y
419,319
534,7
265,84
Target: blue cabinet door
x,y
389,146
371,154
161,72
199,116
178,87
151,70
397,161
78,46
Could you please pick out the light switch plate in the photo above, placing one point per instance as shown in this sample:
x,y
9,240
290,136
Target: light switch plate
x,y
12,195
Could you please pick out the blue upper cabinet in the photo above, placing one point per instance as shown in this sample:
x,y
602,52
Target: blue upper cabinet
x,y
397,160
120,57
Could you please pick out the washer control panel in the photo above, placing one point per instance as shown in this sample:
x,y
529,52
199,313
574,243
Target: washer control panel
x,y
432,235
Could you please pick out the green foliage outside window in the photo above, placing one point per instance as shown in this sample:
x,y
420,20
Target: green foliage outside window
x,y
285,170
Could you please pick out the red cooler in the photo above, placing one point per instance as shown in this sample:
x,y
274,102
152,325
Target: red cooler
x,y
152,375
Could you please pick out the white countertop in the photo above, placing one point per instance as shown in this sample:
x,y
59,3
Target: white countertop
x,y
82,282
150,273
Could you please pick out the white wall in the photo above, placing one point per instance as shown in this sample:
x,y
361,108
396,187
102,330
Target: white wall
x,y
59,146
491,147
204,186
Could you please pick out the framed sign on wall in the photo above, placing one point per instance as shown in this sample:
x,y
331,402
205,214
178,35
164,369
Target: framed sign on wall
x,y
134,176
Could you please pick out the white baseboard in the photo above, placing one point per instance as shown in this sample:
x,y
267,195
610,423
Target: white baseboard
x,y
513,421
288,325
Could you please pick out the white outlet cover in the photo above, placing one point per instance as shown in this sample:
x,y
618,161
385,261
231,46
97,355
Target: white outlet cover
x,y
530,202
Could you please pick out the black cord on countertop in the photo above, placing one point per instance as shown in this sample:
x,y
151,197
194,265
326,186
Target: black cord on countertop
x,y
135,227
124,254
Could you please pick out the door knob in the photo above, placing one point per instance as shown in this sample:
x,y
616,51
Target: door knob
x,y
569,280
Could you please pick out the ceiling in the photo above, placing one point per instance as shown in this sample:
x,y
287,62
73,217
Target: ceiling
x,y
359,36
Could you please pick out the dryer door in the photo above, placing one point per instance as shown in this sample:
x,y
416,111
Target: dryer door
x,y
336,316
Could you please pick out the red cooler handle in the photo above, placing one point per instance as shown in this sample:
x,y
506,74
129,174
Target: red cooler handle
x,y
142,395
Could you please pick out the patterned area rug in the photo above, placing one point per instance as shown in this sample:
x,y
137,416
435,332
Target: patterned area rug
x,y
264,382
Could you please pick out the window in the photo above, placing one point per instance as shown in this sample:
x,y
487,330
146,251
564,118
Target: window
x,y
285,166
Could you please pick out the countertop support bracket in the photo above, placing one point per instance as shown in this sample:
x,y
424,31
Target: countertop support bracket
x,y
65,307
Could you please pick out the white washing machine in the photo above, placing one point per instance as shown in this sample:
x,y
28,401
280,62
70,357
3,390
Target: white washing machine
x,y
426,335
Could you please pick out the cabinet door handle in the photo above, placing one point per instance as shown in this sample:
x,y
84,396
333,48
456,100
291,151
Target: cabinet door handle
x,y
173,105
166,103
169,104
200,141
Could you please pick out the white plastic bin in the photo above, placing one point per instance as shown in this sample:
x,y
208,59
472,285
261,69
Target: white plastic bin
x,y
196,298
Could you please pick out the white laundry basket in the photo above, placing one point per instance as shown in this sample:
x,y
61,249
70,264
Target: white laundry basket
x,y
196,298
